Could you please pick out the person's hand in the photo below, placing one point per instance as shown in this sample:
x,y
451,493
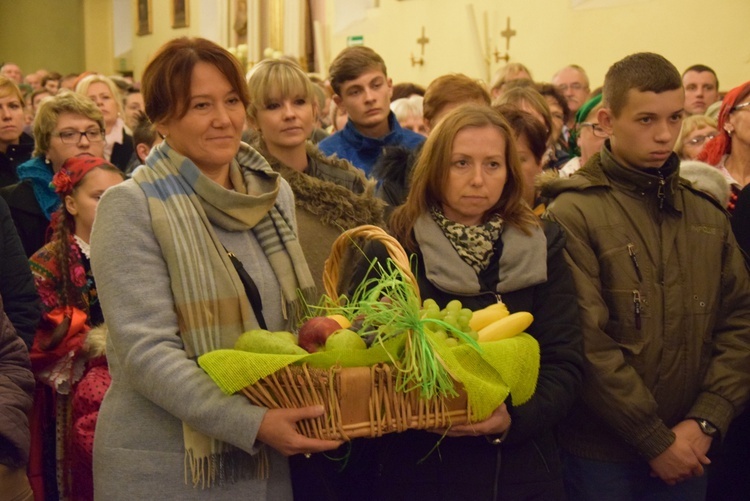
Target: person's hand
x,y
278,429
497,423
685,458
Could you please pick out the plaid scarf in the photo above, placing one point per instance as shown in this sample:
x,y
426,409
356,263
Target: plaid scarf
x,y
210,301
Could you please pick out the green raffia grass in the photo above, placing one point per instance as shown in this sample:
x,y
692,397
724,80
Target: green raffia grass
x,y
389,306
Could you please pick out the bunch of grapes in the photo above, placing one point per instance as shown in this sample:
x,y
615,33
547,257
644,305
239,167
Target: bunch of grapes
x,y
454,314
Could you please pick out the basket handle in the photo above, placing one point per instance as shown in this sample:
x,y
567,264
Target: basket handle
x,y
331,268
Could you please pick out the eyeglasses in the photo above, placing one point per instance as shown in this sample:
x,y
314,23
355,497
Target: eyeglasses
x,y
74,136
698,140
595,129
574,86
741,106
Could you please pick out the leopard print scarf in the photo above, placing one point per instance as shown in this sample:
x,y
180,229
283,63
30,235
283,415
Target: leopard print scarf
x,y
474,244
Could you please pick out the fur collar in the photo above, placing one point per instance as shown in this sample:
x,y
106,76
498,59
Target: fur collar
x,y
335,204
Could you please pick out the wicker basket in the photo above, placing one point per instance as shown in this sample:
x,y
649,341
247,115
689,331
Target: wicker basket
x,y
359,401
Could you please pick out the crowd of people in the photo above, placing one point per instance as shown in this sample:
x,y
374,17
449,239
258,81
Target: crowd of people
x,y
144,224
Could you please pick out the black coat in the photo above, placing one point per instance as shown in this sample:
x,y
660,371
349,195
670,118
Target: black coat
x,y
16,283
122,153
15,155
527,465
31,223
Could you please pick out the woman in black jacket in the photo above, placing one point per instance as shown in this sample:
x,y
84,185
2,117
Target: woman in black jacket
x,y
477,241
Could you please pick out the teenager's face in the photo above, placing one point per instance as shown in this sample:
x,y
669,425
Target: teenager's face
x,y
644,133
367,100
530,167
700,91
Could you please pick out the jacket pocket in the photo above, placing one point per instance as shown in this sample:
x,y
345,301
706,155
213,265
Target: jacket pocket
x,y
628,314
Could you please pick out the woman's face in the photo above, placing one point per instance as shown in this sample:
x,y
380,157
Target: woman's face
x,y
85,198
530,168
591,137
12,120
210,132
59,151
415,124
739,122
694,142
133,104
286,123
476,175
99,93
557,118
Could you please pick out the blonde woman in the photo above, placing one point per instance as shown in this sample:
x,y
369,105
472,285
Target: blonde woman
x,y
103,91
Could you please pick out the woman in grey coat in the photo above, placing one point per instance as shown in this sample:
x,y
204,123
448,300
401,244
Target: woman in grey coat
x,y
170,293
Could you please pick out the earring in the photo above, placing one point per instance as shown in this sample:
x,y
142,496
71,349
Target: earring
x,y
47,161
729,129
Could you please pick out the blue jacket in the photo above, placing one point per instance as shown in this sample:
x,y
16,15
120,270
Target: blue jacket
x,y
363,151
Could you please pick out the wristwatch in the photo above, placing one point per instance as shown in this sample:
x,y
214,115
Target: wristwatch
x,y
707,428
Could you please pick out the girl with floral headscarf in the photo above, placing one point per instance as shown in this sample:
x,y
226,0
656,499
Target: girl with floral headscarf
x,y
60,355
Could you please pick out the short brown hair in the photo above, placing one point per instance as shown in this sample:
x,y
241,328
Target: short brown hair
x,y
353,62
49,112
529,95
167,78
644,72
455,88
433,166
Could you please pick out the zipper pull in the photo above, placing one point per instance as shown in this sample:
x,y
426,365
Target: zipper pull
x,y
634,259
660,194
637,309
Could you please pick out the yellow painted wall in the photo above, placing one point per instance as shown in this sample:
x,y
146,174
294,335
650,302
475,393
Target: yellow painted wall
x,y
145,46
551,34
97,24
42,34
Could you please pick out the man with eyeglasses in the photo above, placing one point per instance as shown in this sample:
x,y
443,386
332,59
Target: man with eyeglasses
x,y
701,88
573,83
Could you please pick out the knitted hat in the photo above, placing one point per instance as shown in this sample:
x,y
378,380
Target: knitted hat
x,y
581,115
73,170
722,143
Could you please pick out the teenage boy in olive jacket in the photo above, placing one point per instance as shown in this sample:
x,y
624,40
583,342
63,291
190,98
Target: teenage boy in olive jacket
x,y
664,296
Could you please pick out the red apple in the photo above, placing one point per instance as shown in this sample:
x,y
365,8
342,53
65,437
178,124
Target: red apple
x,y
313,333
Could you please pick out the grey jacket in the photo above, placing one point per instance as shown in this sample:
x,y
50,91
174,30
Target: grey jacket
x,y
138,448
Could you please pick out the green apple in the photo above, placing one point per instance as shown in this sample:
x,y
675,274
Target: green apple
x,y
345,339
286,336
262,341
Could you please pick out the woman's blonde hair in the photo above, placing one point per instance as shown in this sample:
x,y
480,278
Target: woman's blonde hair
x,y
50,110
277,79
82,87
431,172
691,123
9,88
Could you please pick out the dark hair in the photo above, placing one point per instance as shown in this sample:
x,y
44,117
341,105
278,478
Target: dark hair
x,y
644,72
701,68
351,63
144,131
167,78
547,89
406,89
525,125
455,88
51,76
